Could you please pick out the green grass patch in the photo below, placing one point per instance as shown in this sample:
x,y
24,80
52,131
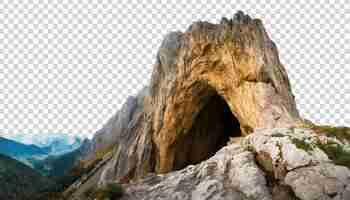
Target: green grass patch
x,y
301,144
111,191
341,133
336,153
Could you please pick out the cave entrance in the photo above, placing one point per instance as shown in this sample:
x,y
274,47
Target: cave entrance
x,y
211,130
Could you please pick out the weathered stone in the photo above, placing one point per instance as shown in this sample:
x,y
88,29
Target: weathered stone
x,y
280,145
230,174
109,135
209,84
306,167
235,60
323,181
128,143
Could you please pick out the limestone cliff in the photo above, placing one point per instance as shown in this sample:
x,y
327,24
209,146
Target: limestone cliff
x,y
201,78
212,83
235,60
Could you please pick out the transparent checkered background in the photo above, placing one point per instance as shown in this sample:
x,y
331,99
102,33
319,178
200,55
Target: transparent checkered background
x,y
67,66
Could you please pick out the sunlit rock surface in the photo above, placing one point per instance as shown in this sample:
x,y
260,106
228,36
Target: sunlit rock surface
x,y
213,85
286,170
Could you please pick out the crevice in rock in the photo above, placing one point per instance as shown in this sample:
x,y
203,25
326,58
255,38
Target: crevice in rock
x,y
278,189
213,127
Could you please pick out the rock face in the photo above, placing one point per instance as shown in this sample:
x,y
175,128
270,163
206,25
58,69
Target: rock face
x,y
301,159
234,60
109,135
219,177
268,164
210,84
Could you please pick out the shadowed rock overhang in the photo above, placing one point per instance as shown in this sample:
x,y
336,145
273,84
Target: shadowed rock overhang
x,y
212,82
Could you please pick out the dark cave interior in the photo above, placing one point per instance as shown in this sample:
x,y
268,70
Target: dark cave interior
x,y
211,130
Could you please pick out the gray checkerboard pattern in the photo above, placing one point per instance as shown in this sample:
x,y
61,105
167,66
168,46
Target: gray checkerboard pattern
x,y
67,66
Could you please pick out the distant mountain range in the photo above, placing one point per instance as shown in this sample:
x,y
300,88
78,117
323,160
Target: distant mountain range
x,y
52,155
53,143
18,150
39,167
56,166
19,181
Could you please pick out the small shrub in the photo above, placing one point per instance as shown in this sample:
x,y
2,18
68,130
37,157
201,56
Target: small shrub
x,y
111,191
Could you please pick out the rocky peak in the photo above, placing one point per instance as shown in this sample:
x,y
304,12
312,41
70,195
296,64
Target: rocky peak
x,y
212,83
235,60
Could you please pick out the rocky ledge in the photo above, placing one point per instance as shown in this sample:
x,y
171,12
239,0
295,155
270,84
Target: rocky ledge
x,y
279,163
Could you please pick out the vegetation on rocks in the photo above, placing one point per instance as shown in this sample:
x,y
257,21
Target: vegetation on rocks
x,y
337,153
70,177
302,144
20,182
99,155
341,133
111,191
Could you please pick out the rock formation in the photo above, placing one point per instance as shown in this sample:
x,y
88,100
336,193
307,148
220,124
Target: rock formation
x,y
108,136
269,164
210,84
234,60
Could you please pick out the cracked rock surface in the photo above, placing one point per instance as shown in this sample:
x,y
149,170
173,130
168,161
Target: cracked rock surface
x,y
235,172
230,174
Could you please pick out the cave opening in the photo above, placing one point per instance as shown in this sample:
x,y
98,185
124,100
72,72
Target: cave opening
x,y
212,128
